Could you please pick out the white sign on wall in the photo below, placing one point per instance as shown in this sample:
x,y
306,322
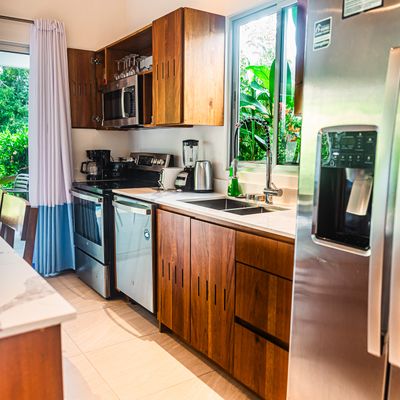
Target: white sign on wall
x,y
352,7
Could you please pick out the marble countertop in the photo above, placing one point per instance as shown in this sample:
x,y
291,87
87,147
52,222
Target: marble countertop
x,y
281,223
27,301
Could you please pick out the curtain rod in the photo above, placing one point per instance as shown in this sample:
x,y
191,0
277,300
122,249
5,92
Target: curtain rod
x,y
25,21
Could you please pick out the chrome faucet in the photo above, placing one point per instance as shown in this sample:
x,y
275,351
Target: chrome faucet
x,y
270,189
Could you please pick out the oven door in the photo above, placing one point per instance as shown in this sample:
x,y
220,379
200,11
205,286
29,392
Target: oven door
x,y
89,224
121,103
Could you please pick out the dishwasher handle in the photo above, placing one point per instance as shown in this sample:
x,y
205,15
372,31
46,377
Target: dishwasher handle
x,y
132,208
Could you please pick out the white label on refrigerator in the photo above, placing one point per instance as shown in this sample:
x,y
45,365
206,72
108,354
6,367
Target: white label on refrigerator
x,y
352,7
322,34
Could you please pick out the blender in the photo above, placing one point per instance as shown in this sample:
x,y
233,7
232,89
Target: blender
x,y
185,179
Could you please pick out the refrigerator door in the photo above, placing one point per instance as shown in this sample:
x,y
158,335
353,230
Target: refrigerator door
x,y
344,85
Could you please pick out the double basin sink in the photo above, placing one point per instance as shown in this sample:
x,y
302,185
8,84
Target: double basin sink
x,y
234,206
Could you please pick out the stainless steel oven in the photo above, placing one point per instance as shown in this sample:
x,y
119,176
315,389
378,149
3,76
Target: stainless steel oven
x,y
121,102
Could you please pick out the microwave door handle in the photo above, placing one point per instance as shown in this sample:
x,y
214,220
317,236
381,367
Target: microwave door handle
x,y
376,298
132,209
123,114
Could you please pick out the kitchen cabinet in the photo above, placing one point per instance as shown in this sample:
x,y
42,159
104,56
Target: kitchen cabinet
x,y
84,70
212,291
173,248
189,67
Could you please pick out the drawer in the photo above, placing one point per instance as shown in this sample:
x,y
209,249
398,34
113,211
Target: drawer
x,y
270,255
260,365
264,301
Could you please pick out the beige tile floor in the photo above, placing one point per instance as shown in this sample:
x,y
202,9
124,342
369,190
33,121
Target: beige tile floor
x,y
113,350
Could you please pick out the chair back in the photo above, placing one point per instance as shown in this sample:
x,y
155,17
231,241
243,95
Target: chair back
x,y
30,234
21,182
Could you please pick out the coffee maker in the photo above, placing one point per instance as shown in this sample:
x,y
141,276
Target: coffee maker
x,y
185,179
98,167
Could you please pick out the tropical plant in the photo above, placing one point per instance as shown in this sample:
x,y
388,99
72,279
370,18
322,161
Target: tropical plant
x,y
13,152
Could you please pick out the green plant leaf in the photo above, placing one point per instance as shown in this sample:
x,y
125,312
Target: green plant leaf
x,y
261,72
252,103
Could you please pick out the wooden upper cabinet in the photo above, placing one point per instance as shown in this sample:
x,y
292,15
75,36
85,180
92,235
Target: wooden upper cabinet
x,y
212,291
189,68
173,249
83,87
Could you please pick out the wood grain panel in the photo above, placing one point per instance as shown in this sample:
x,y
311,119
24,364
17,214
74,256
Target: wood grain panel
x,y
82,88
204,67
264,301
173,244
30,365
212,310
260,365
268,254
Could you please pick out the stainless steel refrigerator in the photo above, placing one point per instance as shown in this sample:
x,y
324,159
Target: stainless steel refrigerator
x,y
345,332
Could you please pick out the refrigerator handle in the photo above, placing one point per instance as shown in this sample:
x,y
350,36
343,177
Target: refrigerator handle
x,y
394,305
383,163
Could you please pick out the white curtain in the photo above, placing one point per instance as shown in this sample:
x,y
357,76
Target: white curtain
x,y
50,158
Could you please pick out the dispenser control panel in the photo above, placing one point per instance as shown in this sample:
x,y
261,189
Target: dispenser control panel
x,y
348,149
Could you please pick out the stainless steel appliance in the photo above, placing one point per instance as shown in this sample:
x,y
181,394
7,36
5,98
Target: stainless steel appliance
x,y
203,176
134,250
345,328
93,217
185,179
121,102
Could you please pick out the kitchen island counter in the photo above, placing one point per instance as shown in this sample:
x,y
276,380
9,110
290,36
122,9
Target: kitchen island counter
x,y
276,223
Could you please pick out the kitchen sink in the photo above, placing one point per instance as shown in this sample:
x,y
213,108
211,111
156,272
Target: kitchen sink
x,y
254,210
219,204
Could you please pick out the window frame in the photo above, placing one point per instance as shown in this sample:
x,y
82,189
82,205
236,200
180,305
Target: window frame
x,y
233,56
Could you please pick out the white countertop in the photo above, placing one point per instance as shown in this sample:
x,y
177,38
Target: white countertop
x,y
281,223
27,301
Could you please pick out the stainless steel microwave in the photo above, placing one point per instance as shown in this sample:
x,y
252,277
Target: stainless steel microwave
x,y
121,102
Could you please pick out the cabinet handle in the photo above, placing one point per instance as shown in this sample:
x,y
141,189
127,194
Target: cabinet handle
x,y
215,294
162,71
175,274
157,71
206,290
182,277
174,67
198,286
168,69
169,271
162,268
224,299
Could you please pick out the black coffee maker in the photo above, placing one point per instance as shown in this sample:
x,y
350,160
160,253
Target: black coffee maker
x,y
98,167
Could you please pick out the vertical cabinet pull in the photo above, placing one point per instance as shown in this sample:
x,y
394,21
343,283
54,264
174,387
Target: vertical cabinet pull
x,y
215,294
182,277
174,67
162,70
162,268
206,290
157,71
168,69
175,274
198,286
224,299
169,271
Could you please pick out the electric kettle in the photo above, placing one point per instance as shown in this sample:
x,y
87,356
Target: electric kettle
x,y
203,176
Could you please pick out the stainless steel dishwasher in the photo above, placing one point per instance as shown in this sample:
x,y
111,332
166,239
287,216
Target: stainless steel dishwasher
x,y
134,250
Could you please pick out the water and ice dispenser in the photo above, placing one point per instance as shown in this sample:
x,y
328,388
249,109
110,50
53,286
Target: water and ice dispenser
x,y
343,186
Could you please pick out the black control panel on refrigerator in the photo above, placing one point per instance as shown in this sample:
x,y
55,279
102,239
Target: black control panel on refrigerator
x,y
344,185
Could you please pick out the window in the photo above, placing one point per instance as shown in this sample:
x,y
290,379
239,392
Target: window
x,y
14,93
263,82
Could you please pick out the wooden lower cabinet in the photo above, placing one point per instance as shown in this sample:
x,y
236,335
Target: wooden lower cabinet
x,y
260,365
173,247
212,291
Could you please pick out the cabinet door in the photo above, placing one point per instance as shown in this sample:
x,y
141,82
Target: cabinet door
x,y
212,306
83,89
173,244
168,75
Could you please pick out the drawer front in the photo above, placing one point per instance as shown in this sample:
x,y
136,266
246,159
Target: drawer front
x,y
264,301
260,365
268,254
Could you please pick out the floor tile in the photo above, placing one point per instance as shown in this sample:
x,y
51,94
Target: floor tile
x,y
69,348
107,326
83,382
138,367
211,386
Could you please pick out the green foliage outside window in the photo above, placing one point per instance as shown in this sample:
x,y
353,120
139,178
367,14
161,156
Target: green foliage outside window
x,y
14,87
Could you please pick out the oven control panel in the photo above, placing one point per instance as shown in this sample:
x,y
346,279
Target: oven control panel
x,y
152,161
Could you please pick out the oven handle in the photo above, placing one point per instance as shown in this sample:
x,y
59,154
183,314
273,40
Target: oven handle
x,y
123,114
132,209
93,199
